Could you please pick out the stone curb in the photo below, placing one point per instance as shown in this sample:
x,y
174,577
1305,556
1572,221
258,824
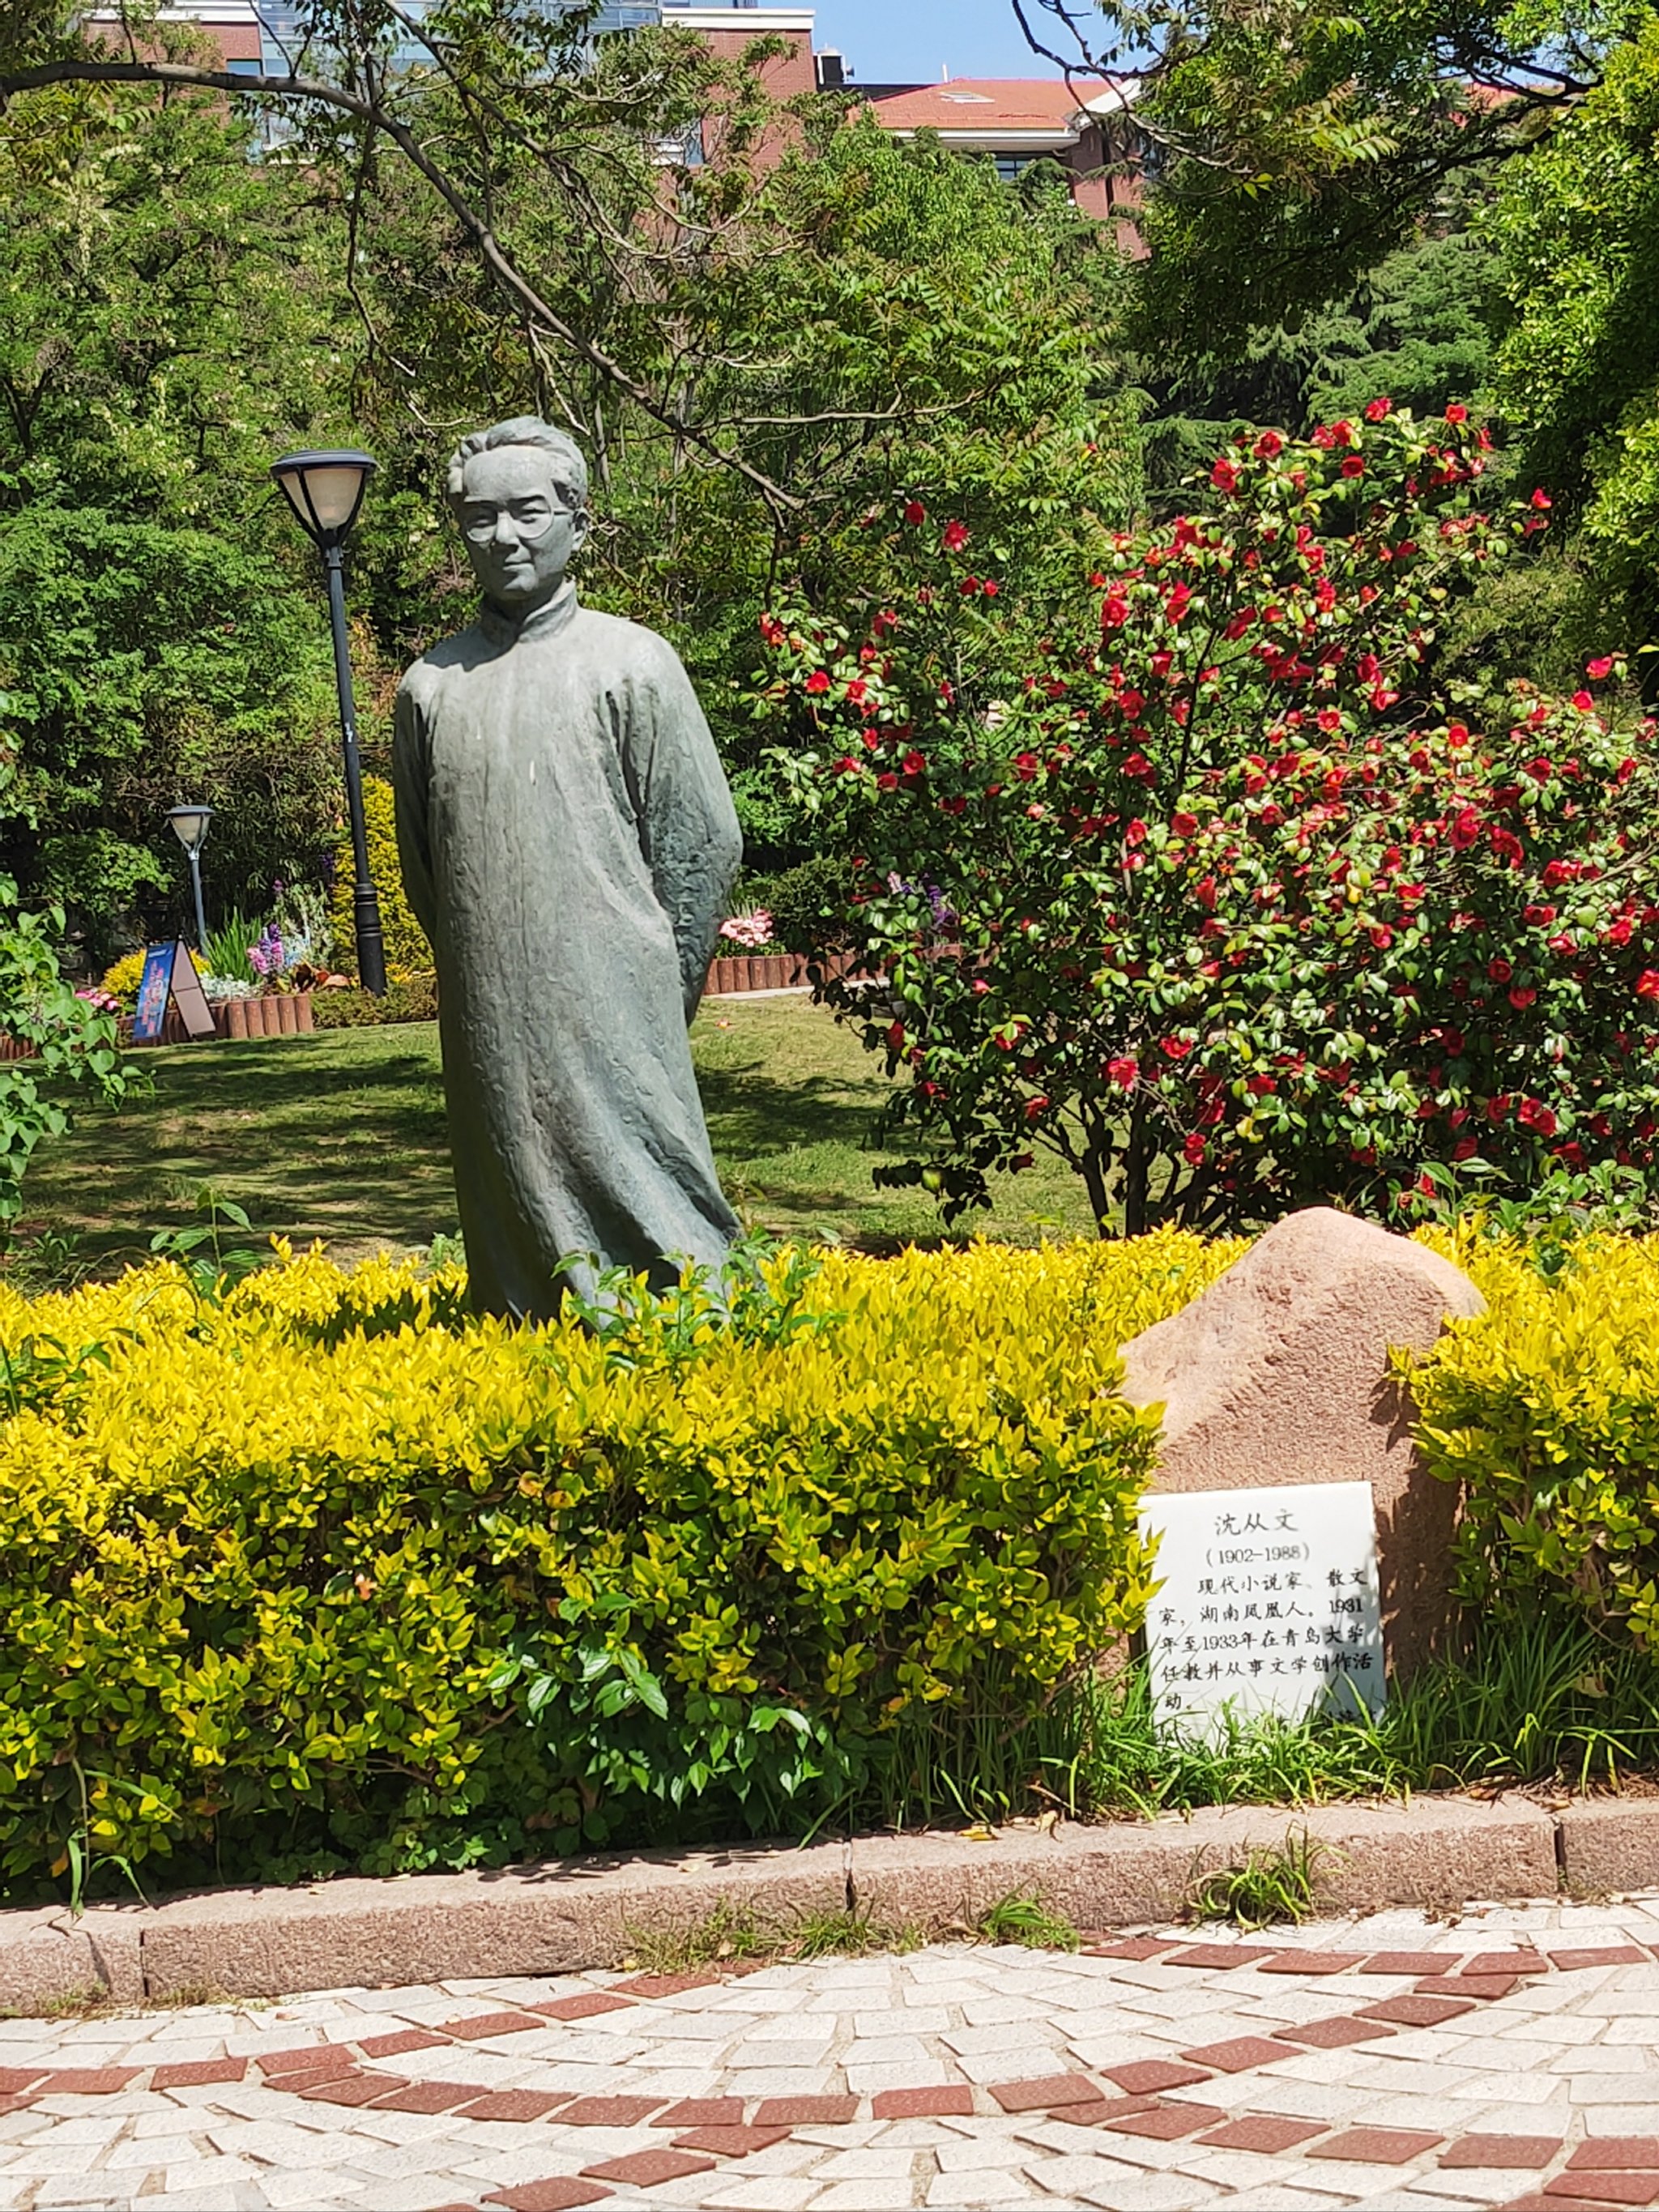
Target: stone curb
x,y
1435,1853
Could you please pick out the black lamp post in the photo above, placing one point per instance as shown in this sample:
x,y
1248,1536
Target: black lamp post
x,y
326,491
190,825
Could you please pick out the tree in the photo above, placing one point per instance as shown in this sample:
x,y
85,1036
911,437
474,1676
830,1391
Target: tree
x,y
1577,230
1208,887
1291,145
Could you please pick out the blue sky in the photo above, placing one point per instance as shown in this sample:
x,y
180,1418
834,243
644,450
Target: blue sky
x,y
889,41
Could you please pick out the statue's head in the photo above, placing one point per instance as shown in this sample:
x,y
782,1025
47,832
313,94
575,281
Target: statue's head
x,y
520,494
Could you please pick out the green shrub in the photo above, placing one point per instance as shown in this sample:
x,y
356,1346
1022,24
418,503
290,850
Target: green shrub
x,y
326,1574
408,999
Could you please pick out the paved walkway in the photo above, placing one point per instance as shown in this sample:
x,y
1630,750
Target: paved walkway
x,y
1509,2057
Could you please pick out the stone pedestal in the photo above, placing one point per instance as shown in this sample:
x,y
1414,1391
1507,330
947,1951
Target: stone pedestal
x,y
1279,1374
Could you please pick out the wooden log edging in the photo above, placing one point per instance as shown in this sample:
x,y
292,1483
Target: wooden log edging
x,y
282,1014
767,971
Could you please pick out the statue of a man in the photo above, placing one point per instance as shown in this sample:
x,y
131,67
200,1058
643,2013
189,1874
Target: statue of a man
x,y
568,844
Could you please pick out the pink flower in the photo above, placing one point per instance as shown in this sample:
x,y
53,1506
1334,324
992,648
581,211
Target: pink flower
x,y
1123,1072
1598,671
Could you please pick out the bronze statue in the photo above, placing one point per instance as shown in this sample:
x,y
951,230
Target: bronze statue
x,y
568,844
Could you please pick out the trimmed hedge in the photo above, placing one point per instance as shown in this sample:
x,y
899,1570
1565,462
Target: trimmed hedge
x,y
1546,1410
329,1574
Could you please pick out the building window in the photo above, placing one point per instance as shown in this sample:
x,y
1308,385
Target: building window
x,y
240,67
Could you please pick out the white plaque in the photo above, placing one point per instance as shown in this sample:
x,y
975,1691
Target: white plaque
x,y
1267,1600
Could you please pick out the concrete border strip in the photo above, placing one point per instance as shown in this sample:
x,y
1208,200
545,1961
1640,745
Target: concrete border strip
x,y
572,1915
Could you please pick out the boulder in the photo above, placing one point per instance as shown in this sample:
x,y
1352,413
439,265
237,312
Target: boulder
x,y
1279,1373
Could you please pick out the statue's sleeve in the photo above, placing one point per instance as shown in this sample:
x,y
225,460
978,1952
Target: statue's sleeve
x,y
410,784
689,830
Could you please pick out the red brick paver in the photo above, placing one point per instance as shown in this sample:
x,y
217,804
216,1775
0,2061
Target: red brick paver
x,y
1501,2150
519,2105
1054,2091
1489,1986
87,2080
1333,2034
429,2097
702,2112
1413,1962
1602,2153
1609,2188
1508,1962
608,2112
1132,1947
645,2169
806,2111
667,1985
1376,2146
1237,2055
1168,2123
1258,2131
1416,2012
1313,1962
944,2103
197,2073
588,2006
315,2058
352,2089
1617,1954
394,2047
1145,2077
14,2080
731,2142
1220,1954
484,2025
559,2194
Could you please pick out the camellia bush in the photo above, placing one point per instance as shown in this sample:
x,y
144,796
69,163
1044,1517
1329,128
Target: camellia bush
x,y
1204,885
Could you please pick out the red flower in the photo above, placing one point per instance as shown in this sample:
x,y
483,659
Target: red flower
x,y
1225,477
1520,998
1533,1115
1377,409
817,683
1466,1148
1176,605
1381,936
1176,1047
1497,1108
1499,970
1647,984
1193,1150
1026,766
956,537
896,1037
1268,446
1542,501
1598,670
1456,414
1465,828
1582,700
1184,825
1115,612
888,782
915,514
914,764
1353,467
1123,1073
1034,1106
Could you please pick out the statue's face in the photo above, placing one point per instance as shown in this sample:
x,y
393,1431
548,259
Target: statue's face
x,y
519,535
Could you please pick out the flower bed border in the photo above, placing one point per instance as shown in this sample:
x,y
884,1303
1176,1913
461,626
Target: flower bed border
x,y
1431,1853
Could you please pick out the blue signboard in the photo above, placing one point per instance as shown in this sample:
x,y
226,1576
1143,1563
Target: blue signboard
x,y
155,989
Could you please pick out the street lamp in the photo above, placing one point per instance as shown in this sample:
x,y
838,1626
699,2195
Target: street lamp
x,y
326,491
190,825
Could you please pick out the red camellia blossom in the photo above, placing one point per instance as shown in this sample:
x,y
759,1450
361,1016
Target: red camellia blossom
x,y
1353,467
1582,700
1034,1106
915,514
1499,969
1466,829
914,763
1378,409
817,684
1542,501
1521,997
1456,414
1466,1148
1123,1072
1174,1048
1268,446
956,537
1647,984
1223,476
1193,1150
1599,670
1183,824
1534,1116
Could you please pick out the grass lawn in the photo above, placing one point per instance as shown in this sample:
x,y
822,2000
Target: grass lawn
x,y
341,1136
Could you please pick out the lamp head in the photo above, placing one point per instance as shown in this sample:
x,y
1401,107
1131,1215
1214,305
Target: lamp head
x,y
190,825
324,490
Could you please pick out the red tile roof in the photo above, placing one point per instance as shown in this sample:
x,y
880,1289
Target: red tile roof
x,y
981,103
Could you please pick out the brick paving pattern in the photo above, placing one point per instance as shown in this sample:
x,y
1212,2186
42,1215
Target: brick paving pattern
x,y
1510,2059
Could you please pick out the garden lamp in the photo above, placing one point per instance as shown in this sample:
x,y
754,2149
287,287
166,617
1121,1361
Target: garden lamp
x,y
190,825
326,491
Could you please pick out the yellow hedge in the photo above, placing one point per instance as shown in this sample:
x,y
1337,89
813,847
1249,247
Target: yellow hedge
x,y
1546,1410
331,1574
407,952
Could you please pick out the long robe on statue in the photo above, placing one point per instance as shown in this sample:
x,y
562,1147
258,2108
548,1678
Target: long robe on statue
x,y
568,845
